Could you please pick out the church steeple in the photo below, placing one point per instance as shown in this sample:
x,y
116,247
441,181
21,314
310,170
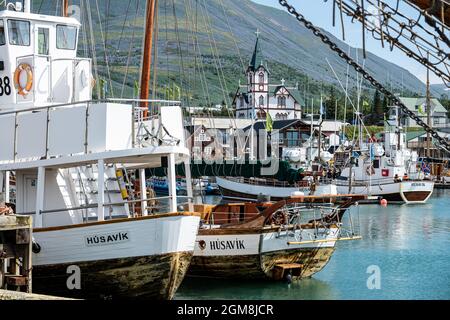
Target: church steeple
x,y
257,58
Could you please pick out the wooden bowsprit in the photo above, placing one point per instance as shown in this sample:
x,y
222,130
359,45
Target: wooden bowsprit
x,y
324,241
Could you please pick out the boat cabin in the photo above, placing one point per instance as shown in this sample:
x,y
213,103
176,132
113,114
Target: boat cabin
x,y
38,61
67,151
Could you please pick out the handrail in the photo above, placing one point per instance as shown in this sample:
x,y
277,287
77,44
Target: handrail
x,y
92,101
376,181
268,182
95,205
87,104
145,100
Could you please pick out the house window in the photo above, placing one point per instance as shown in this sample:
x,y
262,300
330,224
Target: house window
x,y
293,138
282,101
241,104
261,78
208,151
261,101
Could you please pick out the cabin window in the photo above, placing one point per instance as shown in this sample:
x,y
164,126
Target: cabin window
x,y
2,33
43,47
66,37
19,32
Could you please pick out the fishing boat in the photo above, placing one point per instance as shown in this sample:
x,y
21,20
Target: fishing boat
x,y
391,172
69,155
243,189
286,240
161,185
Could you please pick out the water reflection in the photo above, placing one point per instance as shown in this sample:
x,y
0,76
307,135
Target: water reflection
x,y
410,244
211,289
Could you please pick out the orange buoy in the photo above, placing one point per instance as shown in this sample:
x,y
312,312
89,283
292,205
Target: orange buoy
x,y
23,90
384,202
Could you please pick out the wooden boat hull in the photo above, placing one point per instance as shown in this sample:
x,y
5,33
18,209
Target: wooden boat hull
x,y
153,277
261,267
241,254
125,259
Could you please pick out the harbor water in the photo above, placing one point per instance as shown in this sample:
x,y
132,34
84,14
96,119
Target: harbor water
x,y
404,254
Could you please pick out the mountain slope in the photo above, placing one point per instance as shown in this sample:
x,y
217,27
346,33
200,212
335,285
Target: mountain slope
x,y
208,73
441,90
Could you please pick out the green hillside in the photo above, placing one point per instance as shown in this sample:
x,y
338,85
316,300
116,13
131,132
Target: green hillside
x,y
204,47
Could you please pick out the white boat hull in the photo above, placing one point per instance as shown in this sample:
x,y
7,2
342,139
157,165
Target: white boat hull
x,y
409,192
247,192
140,258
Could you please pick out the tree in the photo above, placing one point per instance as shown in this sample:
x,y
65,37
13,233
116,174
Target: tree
x,y
330,104
386,104
378,105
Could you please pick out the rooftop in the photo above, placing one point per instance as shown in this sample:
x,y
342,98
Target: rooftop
x,y
257,56
413,104
277,124
38,17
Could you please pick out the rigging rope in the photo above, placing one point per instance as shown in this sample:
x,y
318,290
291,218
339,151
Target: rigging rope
x,y
408,35
91,40
105,51
130,48
334,47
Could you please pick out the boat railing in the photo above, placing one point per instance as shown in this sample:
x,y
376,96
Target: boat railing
x,y
15,127
153,206
296,216
381,181
269,182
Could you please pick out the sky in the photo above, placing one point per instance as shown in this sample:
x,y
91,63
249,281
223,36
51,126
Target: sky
x,y
319,12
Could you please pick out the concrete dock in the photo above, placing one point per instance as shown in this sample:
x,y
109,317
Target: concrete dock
x,y
13,296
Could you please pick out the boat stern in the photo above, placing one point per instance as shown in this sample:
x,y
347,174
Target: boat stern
x,y
413,192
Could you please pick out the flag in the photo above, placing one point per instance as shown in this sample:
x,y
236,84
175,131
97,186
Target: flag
x,y
422,109
322,109
136,89
176,92
372,152
269,123
103,88
366,104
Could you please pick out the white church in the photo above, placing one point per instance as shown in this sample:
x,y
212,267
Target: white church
x,y
259,97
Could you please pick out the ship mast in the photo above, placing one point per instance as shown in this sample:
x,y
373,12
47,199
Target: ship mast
x,y
65,8
428,114
147,54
